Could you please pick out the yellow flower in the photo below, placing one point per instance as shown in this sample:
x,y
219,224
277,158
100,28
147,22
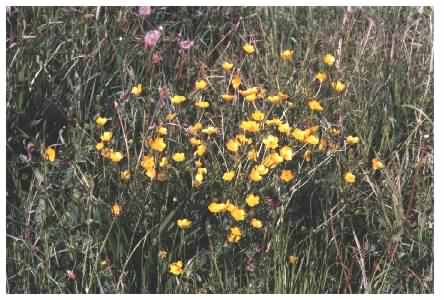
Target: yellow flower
x,y
179,156
229,175
249,91
307,155
178,99
229,206
287,54
195,142
321,76
377,164
125,175
202,104
101,121
196,128
272,160
252,155
299,134
329,59
334,131
157,144
176,268
352,140
216,208
286,153
151,172
258,115
271,142
148,162
292,260
163,254
227,66
163,162
248,48
251,98
137,90
100,146
287,175
201,149
106,136
184,223
233,145
106,153
227,98
250,126
236,81
262,169
238,214
256,223
201,84
274,99
241,138
252,200
315,105
162,130
50,154
210,130
338,86
170,116
234,235
116,210
284,128
116,156
312,140
275,121
349,177
198,164
257,172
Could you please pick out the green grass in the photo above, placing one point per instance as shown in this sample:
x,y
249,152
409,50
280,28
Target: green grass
x,y
67,65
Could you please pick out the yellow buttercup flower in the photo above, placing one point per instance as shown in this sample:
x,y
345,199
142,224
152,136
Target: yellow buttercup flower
x,y
251,97
125,175
256,223
184,223
196,128
100,146
227,66
262,169
377,164
227,98
202,104
233,145
179,156
236,81
274,122
286,153
100,121
201,84
178,99
338,86
271,142
252,155
50,154
163,162
287,54
216,208
287,175
116,156
234,235
116,210
201,149
229,175
250,126
229,207
248,48
195,142
312,140
162,130
258,115
321,76
315,105
137,90
241,138
252,200
352,140
148,162
284,128
157,144
176,268
329,59
299,134
307,155
106,136
151,172
210,130
106,153
238,214
272,160
249,91
349,177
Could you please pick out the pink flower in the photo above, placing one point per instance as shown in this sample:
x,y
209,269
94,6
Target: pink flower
x,y
151,38
144,10
71,275
186,44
